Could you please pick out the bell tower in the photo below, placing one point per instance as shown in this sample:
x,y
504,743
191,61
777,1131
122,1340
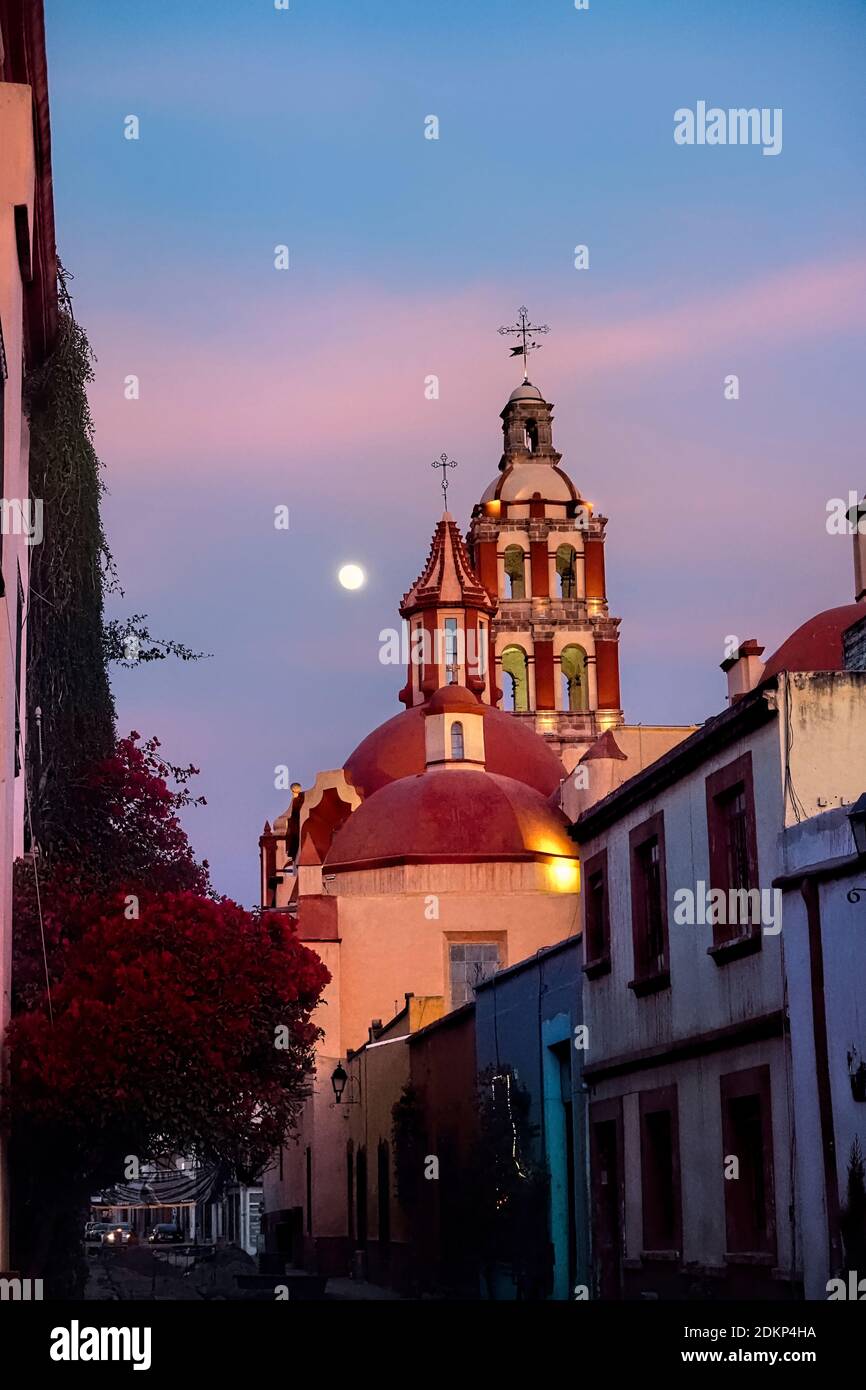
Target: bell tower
x,y
449,613
538,546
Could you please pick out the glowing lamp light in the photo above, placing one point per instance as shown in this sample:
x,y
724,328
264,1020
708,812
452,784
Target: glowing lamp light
x,y
351,576
565,875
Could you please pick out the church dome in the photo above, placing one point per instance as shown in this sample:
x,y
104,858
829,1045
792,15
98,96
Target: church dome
x,y
450,817
817,644
526,392
397,749
523,481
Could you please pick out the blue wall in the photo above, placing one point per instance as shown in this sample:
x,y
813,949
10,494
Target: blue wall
x,y
525,1019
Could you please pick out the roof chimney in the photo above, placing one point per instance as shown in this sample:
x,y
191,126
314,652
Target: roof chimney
x,y
744,670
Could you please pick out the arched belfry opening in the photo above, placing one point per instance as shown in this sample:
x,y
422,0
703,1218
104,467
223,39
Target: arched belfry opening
x,y
515,669
566,569
515,571
531,435
575,691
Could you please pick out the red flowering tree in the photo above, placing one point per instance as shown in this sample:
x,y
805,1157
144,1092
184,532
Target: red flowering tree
x,y
151,1018
185,1029
125,836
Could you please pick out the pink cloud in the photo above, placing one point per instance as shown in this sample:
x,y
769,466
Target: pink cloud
x,y
347,374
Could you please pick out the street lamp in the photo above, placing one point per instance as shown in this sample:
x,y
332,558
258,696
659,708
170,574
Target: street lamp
x,y
857,817
339,1077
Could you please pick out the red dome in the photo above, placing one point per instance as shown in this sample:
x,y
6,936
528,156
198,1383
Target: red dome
x,y
452,699
396,749
817,644
450,816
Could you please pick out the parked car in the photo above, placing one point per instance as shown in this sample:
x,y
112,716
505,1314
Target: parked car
x,y
166,1233
120,1234
95,1230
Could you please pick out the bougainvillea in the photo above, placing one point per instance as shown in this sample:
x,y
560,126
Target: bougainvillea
x,y
186,1029
127,838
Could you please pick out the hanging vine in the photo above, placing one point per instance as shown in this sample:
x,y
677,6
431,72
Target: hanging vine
x,y
70,711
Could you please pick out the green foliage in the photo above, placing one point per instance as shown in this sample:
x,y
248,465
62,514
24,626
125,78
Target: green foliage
x,y
67,679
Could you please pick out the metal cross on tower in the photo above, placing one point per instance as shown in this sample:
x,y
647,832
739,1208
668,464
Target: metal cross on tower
x,y
525,329
444,463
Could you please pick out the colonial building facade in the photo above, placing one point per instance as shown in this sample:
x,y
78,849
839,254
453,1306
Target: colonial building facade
x,y
28,314
714,1074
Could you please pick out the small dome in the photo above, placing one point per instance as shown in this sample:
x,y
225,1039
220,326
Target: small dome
x,y
451,699
522,481
525,392
817,644
450,817
397,749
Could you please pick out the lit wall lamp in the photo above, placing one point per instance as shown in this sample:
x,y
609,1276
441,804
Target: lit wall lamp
x,y
339,1080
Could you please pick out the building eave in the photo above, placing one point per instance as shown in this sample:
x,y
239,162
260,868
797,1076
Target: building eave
x,y
747,714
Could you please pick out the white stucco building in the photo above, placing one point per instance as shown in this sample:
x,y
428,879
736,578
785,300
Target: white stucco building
x,y
695,1093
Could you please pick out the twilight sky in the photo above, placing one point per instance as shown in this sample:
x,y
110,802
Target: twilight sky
x,y
305,387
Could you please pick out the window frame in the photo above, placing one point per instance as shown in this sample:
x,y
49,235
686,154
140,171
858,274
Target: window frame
x,y
648,980
596,962
737,1085
661,1100
720,786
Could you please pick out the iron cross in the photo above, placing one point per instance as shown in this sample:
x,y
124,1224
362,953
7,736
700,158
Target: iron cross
x,y
527,344
444,463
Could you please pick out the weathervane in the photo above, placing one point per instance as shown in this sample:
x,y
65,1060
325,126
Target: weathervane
x,y
527,344
444,463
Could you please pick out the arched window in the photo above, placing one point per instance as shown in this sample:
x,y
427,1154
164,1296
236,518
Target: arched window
x,y
575,692
457,741
514,668
514,571
566,568
531,435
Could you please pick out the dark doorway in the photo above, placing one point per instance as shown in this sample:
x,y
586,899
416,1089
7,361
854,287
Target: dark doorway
x,y
361,1197
607,1195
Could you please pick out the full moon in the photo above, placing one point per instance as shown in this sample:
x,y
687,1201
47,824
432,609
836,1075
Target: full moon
x,y
351,576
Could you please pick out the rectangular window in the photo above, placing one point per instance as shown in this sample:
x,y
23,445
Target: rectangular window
x,y
660,1171
596,916
309,1192
733,855
19,628
452,673
649,908
470,962
384,1192
748,1158
350,1191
